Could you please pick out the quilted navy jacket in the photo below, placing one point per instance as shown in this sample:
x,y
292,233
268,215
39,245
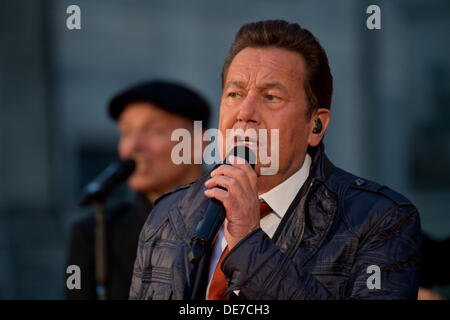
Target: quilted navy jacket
x,y
338,228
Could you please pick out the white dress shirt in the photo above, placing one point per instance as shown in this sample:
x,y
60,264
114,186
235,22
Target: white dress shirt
x,y
279,198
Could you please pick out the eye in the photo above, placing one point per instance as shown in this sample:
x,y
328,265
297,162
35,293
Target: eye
x,y
124,132
233,95
156,130
271,97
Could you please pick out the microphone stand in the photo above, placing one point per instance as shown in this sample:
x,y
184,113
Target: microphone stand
x,y
96,193
100,251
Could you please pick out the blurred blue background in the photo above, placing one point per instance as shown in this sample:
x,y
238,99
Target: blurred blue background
x,y
390,112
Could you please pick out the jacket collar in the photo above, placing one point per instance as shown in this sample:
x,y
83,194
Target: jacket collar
x,y
321,166
316,211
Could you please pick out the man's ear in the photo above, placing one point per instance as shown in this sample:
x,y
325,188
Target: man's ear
x,y
315,136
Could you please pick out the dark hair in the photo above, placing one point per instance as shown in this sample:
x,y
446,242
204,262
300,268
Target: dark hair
x,y
290,36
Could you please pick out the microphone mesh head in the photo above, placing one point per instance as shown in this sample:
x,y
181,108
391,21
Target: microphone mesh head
x,y
243,152
126,167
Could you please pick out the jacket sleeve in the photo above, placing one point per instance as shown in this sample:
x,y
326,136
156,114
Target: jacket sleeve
x,y
394,246
257,268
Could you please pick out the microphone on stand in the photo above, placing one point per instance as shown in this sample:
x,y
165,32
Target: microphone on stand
x,y
96,193
209,226
110,178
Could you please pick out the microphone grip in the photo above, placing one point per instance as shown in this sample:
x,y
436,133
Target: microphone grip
x,y
215,213
207,230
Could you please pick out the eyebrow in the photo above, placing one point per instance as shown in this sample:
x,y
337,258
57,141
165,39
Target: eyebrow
x,y
268,85
235,83
274,85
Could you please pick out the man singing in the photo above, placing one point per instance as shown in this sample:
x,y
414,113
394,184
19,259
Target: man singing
x,y
146,116
309,231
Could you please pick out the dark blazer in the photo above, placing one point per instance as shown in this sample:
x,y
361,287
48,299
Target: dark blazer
x,y
123,225
337,227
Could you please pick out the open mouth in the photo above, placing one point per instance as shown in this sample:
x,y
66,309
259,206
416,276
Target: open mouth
x,y
246,141
141,165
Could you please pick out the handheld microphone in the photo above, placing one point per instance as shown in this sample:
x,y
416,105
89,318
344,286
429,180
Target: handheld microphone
x,y
209,226
107,181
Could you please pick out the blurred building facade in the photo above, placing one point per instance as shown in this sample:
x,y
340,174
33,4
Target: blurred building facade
x,y
390,112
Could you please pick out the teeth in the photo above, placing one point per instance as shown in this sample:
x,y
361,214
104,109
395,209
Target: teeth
x,y
244,141
142,165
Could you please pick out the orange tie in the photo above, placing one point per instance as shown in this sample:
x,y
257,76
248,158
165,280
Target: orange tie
x,y
218,284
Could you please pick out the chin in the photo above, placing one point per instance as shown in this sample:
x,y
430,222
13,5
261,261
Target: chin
x,y
140,184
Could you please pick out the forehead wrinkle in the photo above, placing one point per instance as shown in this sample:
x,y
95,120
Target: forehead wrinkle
x,y
261,68
279,70
273,85
236,83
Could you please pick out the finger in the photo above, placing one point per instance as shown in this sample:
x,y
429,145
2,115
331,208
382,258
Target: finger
x,y
223,196
239,162
236,162
241,172
230,204
231,184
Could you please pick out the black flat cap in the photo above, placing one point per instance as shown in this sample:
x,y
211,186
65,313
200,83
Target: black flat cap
x,y
170,96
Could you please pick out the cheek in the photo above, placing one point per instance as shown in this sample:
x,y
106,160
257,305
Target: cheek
x,y
227,116
225,142
123,149
290,138
162,148
222,122
227,119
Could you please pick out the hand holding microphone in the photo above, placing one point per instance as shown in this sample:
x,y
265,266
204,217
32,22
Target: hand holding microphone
x,y
233,193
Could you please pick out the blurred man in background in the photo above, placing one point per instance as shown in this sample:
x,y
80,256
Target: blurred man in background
x,y
146,114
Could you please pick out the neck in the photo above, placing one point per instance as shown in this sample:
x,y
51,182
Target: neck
x,y
268,182
152,196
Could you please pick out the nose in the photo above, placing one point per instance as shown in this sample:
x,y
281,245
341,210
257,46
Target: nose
x,y
132,145
139,142
248,110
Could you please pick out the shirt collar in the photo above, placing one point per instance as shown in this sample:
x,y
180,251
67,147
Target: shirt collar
x,y
280,197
